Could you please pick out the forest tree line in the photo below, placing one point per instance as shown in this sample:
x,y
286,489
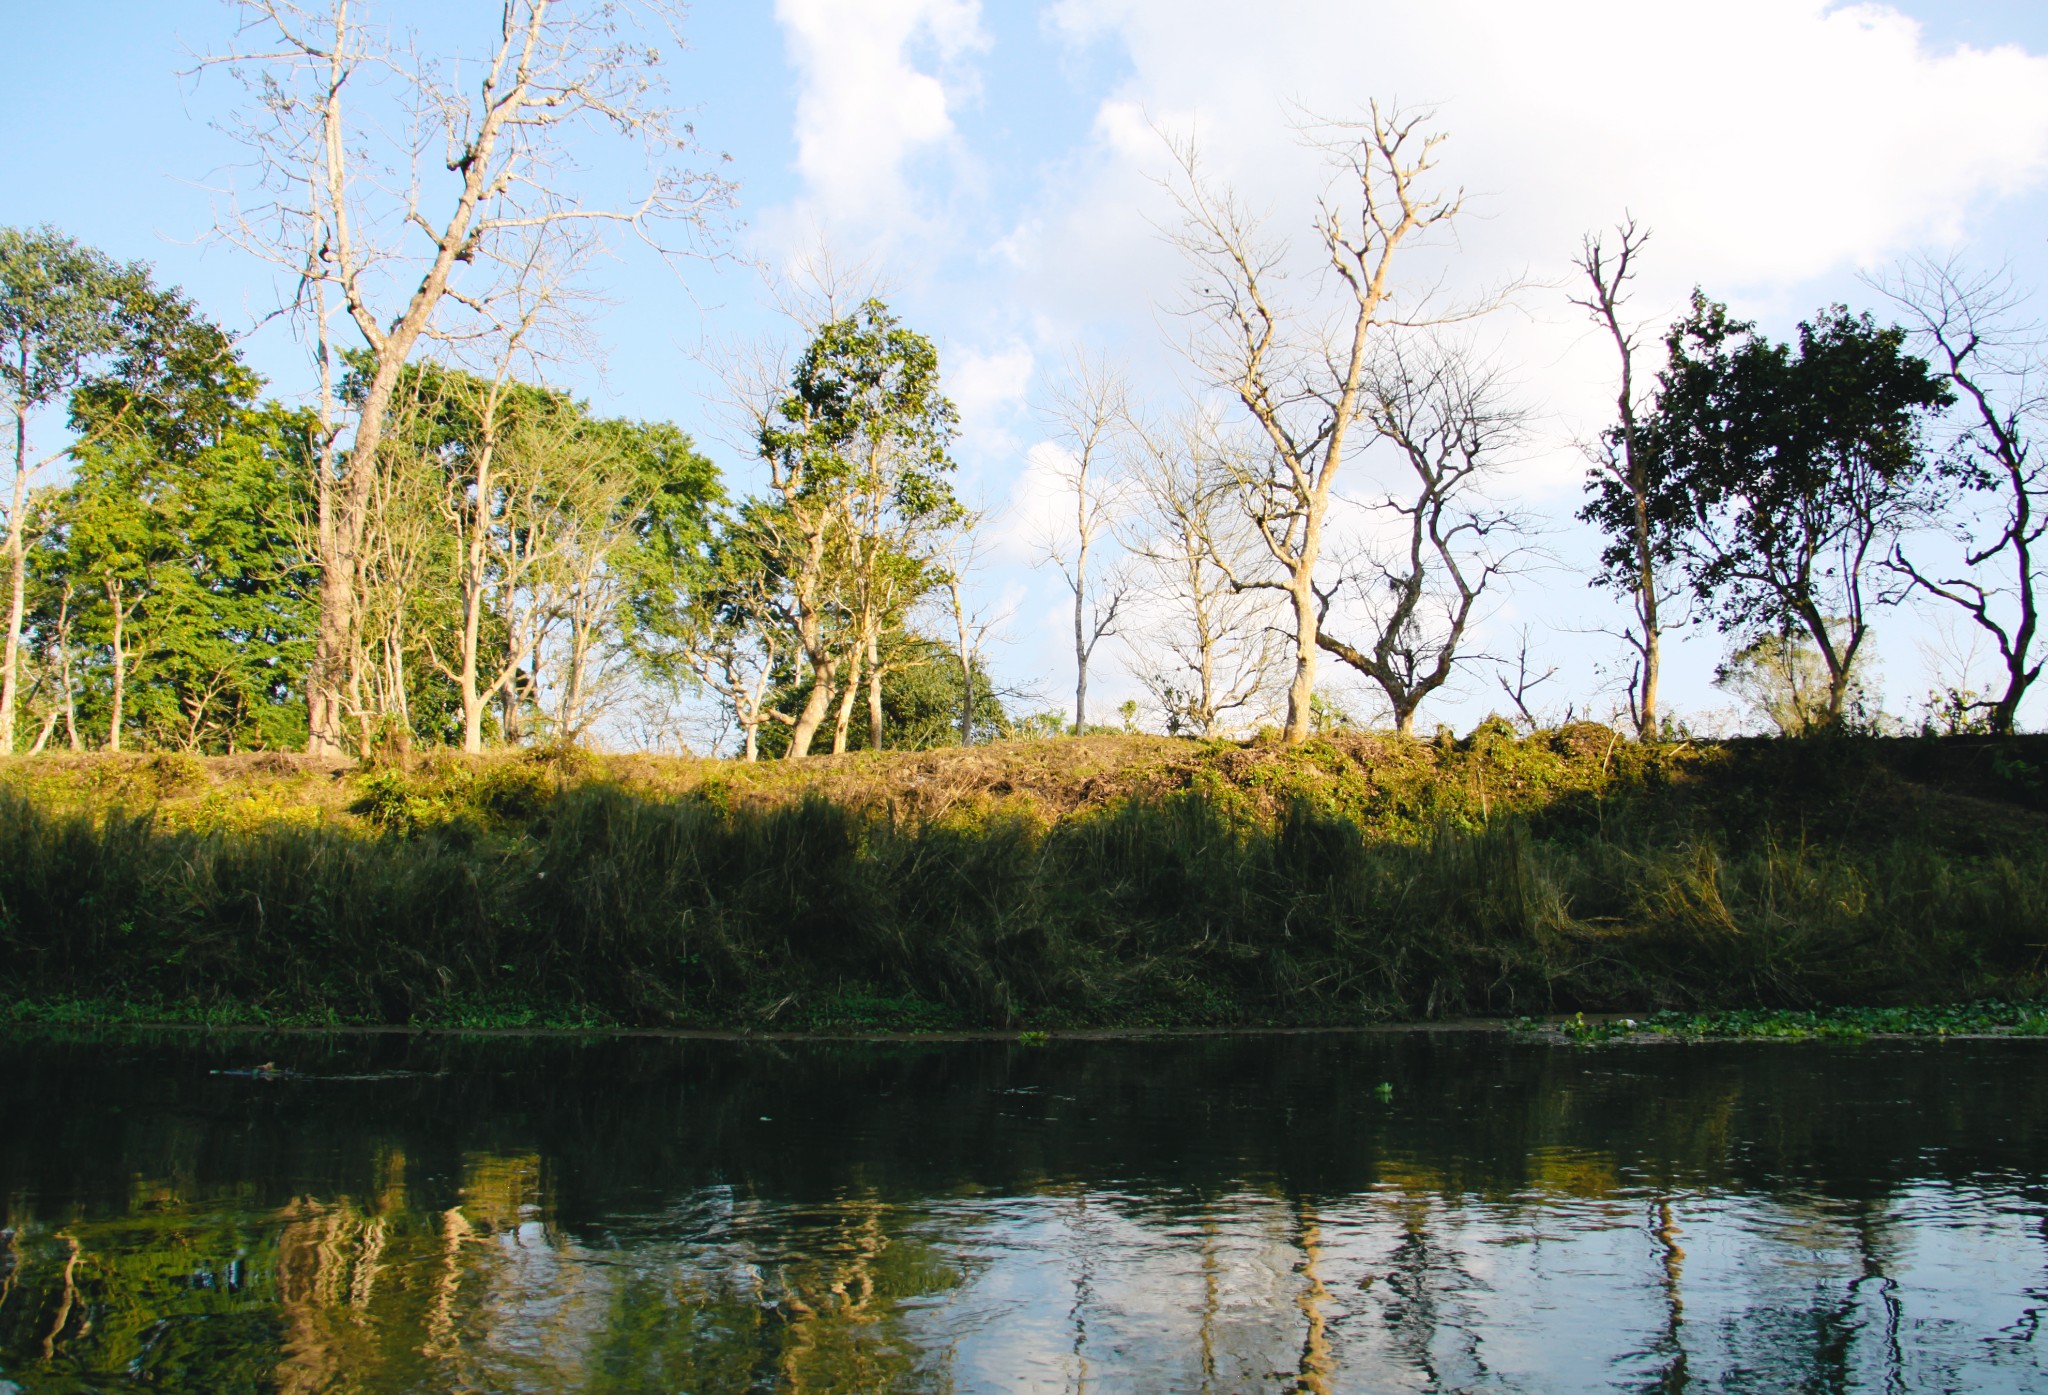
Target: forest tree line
x,y
437,546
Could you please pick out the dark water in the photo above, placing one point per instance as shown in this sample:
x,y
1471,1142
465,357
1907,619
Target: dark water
x,y
1242,1214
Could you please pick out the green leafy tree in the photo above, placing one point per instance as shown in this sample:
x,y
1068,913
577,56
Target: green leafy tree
x,y
61,312
1779,476
857,450
635,562
173,547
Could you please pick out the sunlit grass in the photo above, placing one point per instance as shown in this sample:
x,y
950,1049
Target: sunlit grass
x,y
1047,884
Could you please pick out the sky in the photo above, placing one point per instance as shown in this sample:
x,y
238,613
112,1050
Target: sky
x,y
998,164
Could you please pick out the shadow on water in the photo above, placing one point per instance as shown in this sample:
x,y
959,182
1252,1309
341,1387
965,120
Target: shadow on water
x,y
392,1213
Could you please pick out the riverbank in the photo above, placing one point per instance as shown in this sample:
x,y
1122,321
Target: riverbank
x,y
1046,885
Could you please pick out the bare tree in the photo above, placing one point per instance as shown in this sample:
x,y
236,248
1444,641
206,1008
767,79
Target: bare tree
x,y
1300,374
1619,458
1210,650
1526,680
400,195
1969,322
972,628
1419,592
1089,409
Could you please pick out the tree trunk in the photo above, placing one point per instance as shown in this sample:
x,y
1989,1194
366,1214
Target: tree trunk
x,y
475,559
114,718
1301,691
17,580
333,630
753,730
1646,583
1646,720
472,725
874,695
966,701
511,696
843,721
815,707
1207,670
1080,626
64,669
579,661
71,738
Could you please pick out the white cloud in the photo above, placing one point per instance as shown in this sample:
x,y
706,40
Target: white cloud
x,y
1037,509
988,386
1770,144
878,83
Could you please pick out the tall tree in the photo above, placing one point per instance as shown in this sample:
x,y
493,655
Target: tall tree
x,y
1300,373
1784,475
174,540
561,533
405,205
1969,322
1636,552
857,445
61,309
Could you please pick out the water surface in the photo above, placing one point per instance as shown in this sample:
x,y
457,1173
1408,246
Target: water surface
x,y
389,1213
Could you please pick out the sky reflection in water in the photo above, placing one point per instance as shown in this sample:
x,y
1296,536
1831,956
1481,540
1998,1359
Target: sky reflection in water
x,y
392,1213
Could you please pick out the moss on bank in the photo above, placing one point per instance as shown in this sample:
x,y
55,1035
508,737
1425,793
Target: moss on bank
x,y
1100,881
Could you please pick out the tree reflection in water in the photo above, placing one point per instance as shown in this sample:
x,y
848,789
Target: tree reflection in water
x,y
1201,1215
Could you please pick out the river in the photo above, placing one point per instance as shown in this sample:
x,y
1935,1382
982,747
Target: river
x,y
1425,1210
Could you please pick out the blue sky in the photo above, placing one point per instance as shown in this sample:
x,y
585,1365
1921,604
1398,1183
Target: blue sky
x,y
995,160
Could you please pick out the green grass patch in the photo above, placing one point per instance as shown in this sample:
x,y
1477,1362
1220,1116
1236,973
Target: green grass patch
x,y
1990,1017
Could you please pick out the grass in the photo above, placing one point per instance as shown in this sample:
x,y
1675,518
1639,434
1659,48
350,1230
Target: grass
x,y
1036,885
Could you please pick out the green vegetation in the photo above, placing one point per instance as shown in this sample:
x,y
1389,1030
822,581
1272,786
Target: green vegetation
x,y
1990,1017
1095,881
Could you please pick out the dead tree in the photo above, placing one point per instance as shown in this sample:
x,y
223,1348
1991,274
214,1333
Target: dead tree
x,y
972,628
1525,682
1418,592
1209,651
1089,410
1969,324
1300,375
1622,465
